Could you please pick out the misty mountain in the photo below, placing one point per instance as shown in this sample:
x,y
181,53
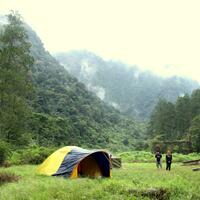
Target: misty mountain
x,y
127,88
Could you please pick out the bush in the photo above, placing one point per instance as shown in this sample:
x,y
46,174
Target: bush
x,y
7,164
4,152
33,155
136,156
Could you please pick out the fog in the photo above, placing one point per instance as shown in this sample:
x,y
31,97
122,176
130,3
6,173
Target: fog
x,y
162,36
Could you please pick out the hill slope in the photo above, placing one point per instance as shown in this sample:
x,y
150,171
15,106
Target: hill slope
x,y
132,91
66,113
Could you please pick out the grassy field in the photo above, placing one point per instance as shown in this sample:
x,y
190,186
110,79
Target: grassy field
x,y
132,181
145,156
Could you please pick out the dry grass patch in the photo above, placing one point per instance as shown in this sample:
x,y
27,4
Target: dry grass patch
x,y
6,177
153,193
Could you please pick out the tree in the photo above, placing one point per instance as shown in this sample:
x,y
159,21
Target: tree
x,y
195,103
183,115
195,133
162,121
15,83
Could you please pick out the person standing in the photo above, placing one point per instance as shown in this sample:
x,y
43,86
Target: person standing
x,y
168,160
158,157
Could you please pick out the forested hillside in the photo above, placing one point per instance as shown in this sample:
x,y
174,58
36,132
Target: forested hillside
x,y
60,110
127,88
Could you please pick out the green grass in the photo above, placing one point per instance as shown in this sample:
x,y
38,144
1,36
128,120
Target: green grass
x,y
181,182
144,156
35,155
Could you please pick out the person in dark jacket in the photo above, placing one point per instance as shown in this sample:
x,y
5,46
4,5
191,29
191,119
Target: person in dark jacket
x,y
158,157
168,160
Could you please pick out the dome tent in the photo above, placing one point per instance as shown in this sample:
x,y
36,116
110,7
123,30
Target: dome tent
x,y
72,162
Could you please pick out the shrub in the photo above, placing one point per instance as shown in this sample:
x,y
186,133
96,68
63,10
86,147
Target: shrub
x,y
4,152
33,155
7,164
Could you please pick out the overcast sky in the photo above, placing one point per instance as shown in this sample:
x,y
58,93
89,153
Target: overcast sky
x,y
160,35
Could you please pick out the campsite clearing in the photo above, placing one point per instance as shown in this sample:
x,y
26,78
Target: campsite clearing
x,y
132,181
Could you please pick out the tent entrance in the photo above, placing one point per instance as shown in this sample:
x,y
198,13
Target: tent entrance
x,y
89,167
94,165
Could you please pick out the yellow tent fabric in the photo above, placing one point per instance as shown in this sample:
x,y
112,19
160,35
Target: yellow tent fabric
x,y
52,163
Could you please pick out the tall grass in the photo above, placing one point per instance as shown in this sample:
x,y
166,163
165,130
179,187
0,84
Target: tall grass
x,y
181,183
143,156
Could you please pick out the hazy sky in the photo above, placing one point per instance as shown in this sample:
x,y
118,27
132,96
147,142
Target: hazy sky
x,y
161,35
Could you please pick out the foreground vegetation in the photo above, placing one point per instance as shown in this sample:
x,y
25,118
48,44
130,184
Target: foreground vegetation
x,y
132,181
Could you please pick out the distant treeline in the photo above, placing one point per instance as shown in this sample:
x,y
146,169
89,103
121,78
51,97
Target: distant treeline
x,y
177,121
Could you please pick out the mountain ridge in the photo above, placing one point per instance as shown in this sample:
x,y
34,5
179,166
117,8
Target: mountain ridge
x,y
76,114
123,86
